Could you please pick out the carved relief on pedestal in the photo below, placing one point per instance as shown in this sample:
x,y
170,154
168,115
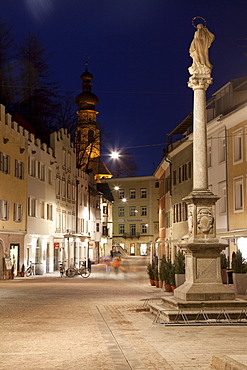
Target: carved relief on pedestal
x,y
190,219
205,220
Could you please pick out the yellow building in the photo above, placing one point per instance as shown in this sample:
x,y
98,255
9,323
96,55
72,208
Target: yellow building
x,y
237,182
135,213
13,192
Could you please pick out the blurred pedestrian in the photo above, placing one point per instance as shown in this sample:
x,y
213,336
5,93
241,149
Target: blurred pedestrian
x,y
116,264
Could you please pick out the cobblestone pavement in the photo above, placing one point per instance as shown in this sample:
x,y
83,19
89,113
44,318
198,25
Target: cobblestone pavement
x,y
99,323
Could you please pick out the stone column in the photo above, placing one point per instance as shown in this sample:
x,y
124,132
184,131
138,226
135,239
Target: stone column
x,y
199,85
202,248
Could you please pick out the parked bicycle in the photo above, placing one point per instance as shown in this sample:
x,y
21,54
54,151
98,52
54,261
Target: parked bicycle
x,y
62,269
83,271
30,269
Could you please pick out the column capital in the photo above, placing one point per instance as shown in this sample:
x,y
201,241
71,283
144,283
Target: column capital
x,y
200,82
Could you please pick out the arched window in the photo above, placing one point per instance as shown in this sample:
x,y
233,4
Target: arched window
x,y
90,136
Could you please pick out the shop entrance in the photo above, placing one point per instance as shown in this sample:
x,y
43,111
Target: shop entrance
x,y
14,257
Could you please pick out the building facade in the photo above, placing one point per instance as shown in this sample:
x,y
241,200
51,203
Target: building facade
x,y
13,192
135,214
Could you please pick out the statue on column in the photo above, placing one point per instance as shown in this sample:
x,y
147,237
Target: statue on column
x,y
202,41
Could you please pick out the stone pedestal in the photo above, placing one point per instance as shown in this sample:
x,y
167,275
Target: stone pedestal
x,y
202,252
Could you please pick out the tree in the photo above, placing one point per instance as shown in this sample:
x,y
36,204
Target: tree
x,y
7,81
123,166
66,115
38,97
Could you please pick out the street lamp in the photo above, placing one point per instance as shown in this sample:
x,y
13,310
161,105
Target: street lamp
x,y
115,155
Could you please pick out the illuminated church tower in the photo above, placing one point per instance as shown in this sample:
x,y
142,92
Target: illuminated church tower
x,y
88,132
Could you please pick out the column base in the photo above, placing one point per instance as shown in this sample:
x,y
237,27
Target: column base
x,y
204,292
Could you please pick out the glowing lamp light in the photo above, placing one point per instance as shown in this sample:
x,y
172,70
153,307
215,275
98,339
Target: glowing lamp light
x,y
115,155
124,200
116,188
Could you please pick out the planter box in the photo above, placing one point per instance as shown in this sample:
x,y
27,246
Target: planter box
x,y
240,283
179,279
39,269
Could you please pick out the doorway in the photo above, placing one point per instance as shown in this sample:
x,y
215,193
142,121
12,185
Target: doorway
x,y
14,257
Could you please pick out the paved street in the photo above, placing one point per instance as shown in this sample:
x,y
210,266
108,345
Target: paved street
x,y
98,323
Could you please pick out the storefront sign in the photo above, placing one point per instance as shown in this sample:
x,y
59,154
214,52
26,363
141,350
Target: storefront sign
x,y
56,245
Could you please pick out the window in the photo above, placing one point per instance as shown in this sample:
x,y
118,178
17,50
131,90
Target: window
x,y
222,194
32,207
184,212
49,211
238,195
4,163
237,147
222,148
97,227
121,194
73,192
104,231
143,211
63,188
64,158
32,167
132,211
58,187
132,229
4,210
42,209
167,184
180,175
144,228
174,179
49,176
121,228
41,171
156,185
132,193
69,162
19,169
120,211
58,221
168,219
143,193
17,212
105,210
68,190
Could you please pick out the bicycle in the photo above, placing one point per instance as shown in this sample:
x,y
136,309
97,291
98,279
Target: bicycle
x,y
61,269
30,270
83,271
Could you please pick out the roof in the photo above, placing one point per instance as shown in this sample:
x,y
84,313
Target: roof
x,y
98,166
183,126
105,190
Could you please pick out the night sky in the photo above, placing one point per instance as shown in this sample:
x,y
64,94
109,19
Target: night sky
x,y
138,55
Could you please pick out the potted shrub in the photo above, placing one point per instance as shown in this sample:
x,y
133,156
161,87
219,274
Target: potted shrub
x,y
165,273
239,267
224,266
150,272
156,276
172,276
23,270
179,265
